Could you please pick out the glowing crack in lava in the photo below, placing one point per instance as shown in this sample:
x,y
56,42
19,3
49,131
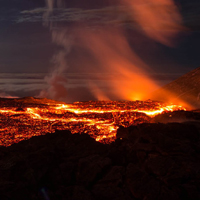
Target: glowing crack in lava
x,y
99,119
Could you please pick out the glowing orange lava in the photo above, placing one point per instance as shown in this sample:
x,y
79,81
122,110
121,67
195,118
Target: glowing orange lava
x,y
99,119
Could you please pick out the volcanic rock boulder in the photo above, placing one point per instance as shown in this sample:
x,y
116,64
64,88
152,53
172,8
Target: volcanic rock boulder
x,y
148,161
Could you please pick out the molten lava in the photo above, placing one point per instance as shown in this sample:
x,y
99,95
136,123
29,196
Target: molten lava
x,y
99,119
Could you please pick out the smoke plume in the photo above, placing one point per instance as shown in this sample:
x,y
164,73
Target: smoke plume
x,y
56,80
160,21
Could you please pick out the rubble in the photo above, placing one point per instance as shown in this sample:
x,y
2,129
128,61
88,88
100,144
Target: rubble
x,y
148,161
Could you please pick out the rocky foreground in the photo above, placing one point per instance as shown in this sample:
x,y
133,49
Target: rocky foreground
x,y
148,161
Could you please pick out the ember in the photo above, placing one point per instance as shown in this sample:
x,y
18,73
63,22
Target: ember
x,y
99,119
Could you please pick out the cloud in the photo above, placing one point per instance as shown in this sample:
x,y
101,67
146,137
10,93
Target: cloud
x,y
116,15
112,15
34,11
77,87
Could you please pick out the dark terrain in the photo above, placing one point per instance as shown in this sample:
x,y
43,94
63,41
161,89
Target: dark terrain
x,y
186,88
148,162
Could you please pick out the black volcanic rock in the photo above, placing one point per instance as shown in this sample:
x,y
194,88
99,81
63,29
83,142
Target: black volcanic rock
x,y
186,88
148,161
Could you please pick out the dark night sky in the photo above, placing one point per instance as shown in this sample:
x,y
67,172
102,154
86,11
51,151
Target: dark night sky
x,y
26,44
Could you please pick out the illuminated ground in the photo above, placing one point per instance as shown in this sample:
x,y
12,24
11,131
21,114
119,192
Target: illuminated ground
x,y
27,117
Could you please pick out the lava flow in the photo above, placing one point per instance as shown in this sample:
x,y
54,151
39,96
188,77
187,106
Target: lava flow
x,y
22,119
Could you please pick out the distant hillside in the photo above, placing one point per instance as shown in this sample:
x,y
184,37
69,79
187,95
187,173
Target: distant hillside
x,y
186,89
26,102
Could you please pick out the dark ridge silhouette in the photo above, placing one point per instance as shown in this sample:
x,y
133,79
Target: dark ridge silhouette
x,y
185,88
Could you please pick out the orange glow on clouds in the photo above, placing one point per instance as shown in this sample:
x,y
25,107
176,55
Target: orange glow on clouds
x,y
158,19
